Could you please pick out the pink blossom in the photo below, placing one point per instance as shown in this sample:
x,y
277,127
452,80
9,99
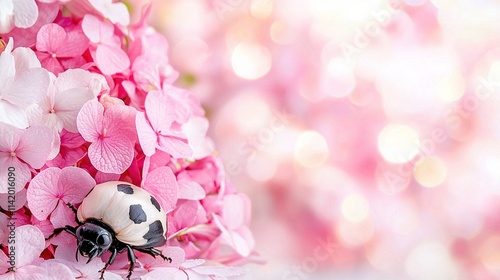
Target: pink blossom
x,y
23,149
22,84
64,100
111,133
158,127
52,188
17,13
58,48
105,46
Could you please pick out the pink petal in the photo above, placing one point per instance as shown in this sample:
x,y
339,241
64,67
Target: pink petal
x,y
29,244
35,145
96,30
51,63
11,136
166,273
57,270
162,184
26,13
115,12
159,110
176,147
76,44
19,202
8,69
190,190
71,140
112,154
50,37
29,87
185,214
101,177
16,116
42,193
73,78
25,59
120,119
111,60
147,136
62,216
234,209
68,103
89,120
74,184
22,173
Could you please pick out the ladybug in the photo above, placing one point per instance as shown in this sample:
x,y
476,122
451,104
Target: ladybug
x,y
117,217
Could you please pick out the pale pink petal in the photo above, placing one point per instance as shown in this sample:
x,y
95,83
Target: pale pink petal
x,y
96,30
62,216
57,270
8,69
162,184
16,116
50,37
35,145
120,119
26,13
192,263
11,136
29,244
159,110
176,147
68,103
147,136
6,17
111,59
25,59
234,209
190,190
74,184
115,12
165,273
221,272
42,193
89,120
112,154
22,173
29,87
73,78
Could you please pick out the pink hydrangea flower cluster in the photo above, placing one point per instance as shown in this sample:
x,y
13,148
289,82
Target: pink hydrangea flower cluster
x,y
87,96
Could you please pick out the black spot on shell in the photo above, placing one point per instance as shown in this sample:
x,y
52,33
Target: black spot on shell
x,y
136,214
125,188
155,203
155,230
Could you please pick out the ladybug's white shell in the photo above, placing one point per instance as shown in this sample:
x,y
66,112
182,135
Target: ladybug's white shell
x,y
133,213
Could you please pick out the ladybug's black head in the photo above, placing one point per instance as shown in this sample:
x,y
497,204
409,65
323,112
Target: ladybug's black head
x,y
93,240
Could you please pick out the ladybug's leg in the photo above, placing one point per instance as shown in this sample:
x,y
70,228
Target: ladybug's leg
x,y
131,258
155,252
74,211
69,229
110,262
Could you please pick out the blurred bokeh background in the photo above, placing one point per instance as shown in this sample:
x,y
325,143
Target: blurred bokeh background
x,y
366,132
